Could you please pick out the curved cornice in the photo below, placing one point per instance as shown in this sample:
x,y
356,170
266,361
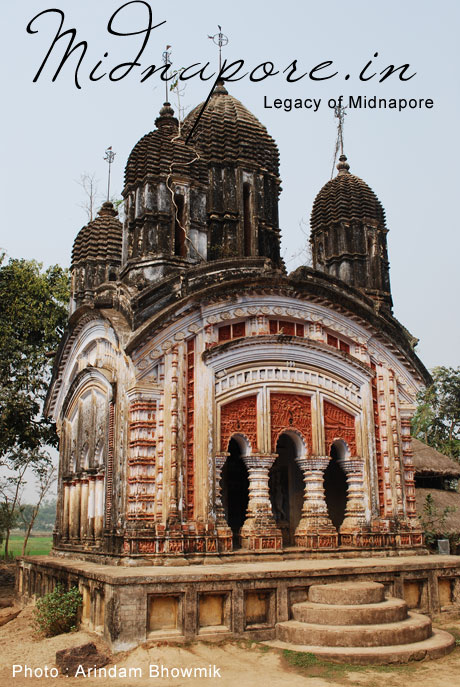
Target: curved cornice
x,y
280,347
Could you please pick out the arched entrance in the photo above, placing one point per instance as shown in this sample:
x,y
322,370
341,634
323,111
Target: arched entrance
x,y
335,484
286,487
235,491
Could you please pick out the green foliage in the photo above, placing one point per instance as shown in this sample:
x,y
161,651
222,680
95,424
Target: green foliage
x,y
45,517
433,522
36,546
33,317
437,420
57,611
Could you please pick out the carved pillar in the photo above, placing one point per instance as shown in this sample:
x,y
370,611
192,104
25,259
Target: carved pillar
x,y
354,512
224,532
74,518
259,530
84,509
315,528
65,514
99,506
91,505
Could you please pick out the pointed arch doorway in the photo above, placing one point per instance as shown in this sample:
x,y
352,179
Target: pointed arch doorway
x,y
235,489
286,486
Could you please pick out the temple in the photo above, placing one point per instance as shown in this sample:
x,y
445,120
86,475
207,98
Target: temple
x,y
208,403
213,408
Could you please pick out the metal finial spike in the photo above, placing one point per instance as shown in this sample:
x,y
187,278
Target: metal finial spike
x,y
166,56
339,114
109,157
220,40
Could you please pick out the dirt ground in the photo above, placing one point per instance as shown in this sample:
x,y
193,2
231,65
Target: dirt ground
x,y
239,664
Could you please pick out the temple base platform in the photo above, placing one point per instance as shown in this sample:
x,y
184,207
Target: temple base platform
x,y
220,600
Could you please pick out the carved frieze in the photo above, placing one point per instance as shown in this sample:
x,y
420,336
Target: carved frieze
x,y
290,412
239,417
338,424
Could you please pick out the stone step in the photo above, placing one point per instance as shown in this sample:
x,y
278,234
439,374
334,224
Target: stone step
x,y
388,611
436,646
415,628
347,593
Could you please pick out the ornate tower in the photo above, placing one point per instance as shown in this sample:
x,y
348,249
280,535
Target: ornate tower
x,y
244,186
348,235
165,201
96,255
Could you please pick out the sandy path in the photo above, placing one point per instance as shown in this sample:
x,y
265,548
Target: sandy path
x,y
240,664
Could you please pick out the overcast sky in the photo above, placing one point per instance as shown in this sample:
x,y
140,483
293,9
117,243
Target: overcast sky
x,y
54,132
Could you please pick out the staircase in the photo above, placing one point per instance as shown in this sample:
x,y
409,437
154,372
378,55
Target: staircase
x,y
353,622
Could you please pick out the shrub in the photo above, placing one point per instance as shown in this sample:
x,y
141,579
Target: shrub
x,y
56,612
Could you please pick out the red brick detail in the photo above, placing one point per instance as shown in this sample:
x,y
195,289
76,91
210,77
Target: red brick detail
x,y
141,460
290,412
227,332
378,448
287,328
109,475
190,419
239,417
338,424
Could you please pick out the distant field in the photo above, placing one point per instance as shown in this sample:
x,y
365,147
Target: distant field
x,y
38,545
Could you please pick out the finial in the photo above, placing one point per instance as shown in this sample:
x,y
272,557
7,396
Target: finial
x,y
220,88
343,165
107,208
167,61
109,157
166,118
339,114
221,40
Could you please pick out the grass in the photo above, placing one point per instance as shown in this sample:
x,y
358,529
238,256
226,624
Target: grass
x,y
309,665
38,545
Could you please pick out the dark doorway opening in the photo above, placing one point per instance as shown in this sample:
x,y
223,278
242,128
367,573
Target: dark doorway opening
x,y
286,487
335,489
235,491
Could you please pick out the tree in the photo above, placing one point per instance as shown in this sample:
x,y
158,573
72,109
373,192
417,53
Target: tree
x,y
437,419
33,307
89,183
46,478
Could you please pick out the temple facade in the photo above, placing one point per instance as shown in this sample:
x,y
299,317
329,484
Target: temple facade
x,y
208,403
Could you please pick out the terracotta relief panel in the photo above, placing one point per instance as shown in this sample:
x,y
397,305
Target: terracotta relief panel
x,y
239,417
338,424
290,412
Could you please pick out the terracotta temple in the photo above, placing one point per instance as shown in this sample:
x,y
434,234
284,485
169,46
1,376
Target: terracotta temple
x,y
208,403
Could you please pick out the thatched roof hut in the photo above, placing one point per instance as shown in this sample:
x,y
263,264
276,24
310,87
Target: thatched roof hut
x,y
441,499
428,461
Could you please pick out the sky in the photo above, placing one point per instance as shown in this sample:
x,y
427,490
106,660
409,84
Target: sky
x,y
53,133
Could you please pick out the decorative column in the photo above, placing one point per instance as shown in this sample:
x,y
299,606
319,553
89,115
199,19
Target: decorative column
x,y
91,505
99,506
315,529
65,514
259,531
224,532
84,509
354,512
74,518
414,535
